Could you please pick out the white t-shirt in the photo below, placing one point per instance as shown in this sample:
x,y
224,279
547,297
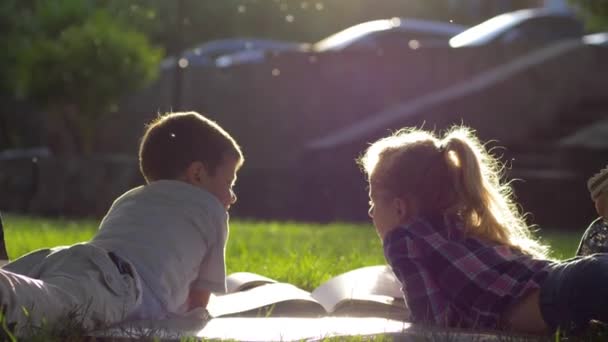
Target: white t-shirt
x,y
175,236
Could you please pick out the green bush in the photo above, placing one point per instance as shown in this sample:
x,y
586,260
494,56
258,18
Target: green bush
x,y
595,13
75,61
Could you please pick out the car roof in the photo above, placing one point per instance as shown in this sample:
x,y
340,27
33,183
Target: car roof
x,y
350,34
600,38
489,29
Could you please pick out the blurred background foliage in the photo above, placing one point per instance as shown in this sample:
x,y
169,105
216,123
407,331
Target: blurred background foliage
x,y
595,13
73,60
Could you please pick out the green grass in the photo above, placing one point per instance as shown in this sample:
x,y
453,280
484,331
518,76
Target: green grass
x,y
24,234
563,243
305,255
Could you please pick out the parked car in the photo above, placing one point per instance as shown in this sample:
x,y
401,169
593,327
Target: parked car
x,y
388,32
258,54
369,35
207,53
600,38
537,26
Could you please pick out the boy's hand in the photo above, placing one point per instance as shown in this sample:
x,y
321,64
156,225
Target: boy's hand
x,y
198,298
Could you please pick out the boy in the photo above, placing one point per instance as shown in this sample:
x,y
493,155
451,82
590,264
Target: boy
x,y
595,238
159,251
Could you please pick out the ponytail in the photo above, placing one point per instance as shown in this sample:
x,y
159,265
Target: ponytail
x,y
454,175
486,204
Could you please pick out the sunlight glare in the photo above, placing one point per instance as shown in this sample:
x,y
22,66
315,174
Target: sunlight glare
x,y
352,33
600,38
478,34
183,63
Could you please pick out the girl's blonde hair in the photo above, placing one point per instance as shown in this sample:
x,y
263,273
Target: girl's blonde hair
x,y
452,175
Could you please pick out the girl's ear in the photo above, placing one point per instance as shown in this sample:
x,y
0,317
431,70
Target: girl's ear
x,y
402,208
405,208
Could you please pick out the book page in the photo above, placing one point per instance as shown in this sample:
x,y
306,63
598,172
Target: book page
x,y
373,306
241,281
270,299
373,283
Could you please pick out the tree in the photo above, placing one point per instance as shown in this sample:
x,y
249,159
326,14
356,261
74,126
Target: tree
x,y
595,13
75,61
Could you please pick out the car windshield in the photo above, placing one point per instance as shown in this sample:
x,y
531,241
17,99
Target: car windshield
x,y
487,30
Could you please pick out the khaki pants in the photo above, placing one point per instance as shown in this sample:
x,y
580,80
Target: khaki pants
x,y
51,284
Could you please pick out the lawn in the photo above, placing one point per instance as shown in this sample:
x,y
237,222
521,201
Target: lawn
x,y
303,254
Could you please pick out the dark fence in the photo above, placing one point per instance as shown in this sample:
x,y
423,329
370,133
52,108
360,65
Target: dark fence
x,y
303,118
65,186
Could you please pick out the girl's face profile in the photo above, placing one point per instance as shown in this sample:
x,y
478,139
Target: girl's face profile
x,y
383,209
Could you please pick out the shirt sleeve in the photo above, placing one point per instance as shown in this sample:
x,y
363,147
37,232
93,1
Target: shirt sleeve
x,y
478,284
453,278
212,272
422,294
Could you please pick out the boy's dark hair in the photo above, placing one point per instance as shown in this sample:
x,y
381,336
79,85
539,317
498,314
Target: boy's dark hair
x,y
173,141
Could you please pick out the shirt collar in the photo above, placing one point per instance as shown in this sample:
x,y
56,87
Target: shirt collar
x,y
185,193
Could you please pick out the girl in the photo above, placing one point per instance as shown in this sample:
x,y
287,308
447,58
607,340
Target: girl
x,y
457,242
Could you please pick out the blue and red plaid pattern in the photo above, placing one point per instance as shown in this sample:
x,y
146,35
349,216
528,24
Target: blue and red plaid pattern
x,y
453,280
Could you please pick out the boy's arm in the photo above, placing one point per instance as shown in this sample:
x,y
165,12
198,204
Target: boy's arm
x,y
198,298
212,271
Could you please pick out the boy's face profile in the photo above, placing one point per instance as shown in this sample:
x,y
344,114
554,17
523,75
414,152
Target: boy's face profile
x,y
218,183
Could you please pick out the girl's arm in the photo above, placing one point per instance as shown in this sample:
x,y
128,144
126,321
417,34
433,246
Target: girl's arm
x,y
453,266
420,290
473,278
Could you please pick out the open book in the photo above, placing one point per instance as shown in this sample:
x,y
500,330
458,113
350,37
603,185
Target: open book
x,y
371,291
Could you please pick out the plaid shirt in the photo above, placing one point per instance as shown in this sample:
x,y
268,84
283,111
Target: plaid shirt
x,y
455,281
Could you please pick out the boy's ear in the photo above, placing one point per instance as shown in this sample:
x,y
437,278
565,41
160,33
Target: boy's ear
x,y
195,173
